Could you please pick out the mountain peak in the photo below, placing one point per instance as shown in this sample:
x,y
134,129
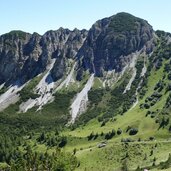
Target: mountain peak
x,y
122,22
112,38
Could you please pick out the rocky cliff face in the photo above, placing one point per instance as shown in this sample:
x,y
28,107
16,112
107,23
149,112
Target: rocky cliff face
x,y
24,55
64,44
110,40
112,46
12,54
105,47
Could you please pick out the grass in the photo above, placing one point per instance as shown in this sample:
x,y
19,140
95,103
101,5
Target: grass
x,y
113,155
97,83
4,166
110,157
28,91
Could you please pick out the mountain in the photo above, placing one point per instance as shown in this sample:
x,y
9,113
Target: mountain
x,y
108,46
84,90
29,54
110,40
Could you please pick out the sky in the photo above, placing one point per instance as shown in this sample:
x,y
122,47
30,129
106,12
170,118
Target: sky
x,y
43,15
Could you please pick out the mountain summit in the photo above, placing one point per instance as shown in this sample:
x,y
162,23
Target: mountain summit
x,y
111,39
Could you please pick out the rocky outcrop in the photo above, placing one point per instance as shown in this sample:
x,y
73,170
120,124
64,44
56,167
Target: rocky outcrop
x,y
67,43
24,55
12,55
110,40
103,48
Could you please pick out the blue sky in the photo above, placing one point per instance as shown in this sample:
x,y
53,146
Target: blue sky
x,y
42,15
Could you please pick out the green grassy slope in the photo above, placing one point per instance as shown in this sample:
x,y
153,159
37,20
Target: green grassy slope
x,y
149,134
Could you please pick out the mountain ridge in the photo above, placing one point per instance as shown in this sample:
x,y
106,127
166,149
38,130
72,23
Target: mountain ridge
x,y
77,49
34,51
65,60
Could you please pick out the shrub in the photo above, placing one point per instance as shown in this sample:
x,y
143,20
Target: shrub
x,y
128,128
103,124
146,106
151,138
90,137
110,135
168,87
133,131
169,76
164,122
63,141
148,112
119,131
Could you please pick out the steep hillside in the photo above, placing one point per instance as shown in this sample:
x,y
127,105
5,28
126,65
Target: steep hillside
x,y
23,56
86,100
110,41
139,137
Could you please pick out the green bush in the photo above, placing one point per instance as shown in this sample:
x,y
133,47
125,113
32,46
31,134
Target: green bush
x,y
133,131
